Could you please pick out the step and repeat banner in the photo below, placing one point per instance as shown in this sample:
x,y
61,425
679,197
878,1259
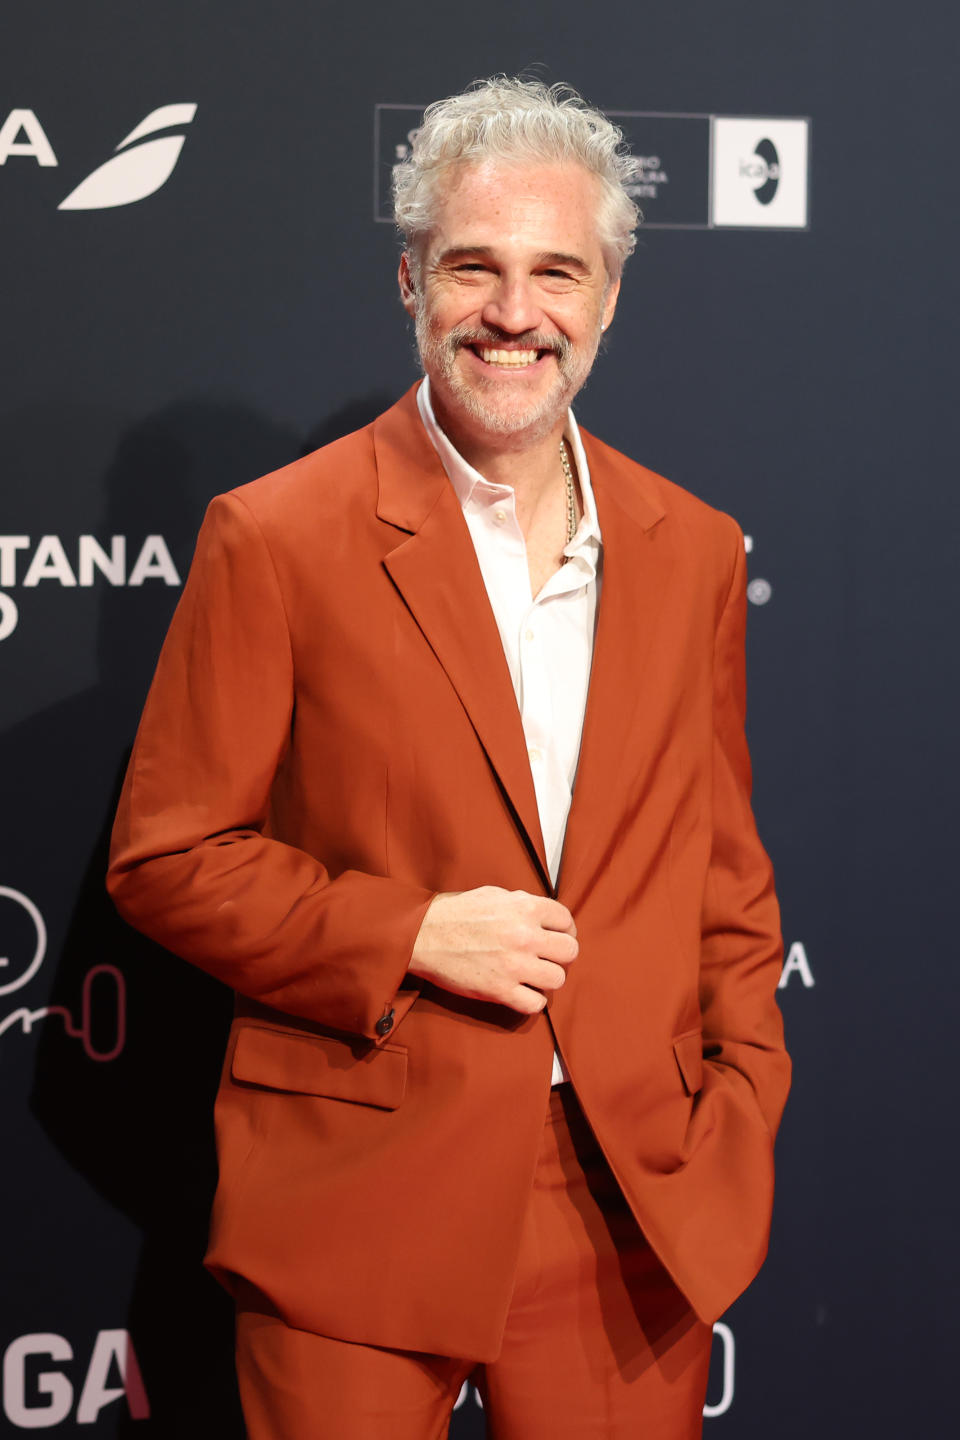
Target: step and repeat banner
x,y
199,286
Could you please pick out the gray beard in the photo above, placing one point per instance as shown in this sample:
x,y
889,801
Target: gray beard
x,y
524,420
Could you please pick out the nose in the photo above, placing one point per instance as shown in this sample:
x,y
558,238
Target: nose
x,y
512,306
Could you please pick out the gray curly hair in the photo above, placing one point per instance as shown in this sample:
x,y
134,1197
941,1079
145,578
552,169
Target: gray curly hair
x,y
515,119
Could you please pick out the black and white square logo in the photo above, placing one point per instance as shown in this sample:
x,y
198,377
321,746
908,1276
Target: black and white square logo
x,y
759,172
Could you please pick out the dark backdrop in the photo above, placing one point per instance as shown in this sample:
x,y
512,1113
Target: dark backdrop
x,y
164,349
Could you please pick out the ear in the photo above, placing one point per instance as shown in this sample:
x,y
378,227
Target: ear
x,y
610,304
408,291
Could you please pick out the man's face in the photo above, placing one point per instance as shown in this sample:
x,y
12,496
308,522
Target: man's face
x,y
512,297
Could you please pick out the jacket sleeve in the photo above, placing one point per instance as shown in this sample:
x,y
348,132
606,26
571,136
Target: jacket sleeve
x,y
741,946
728,1147
191,865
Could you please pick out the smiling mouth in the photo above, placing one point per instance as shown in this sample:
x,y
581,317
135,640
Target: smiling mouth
x,y
508,359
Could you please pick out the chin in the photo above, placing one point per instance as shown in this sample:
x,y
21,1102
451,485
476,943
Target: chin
x,y
500,417
516,420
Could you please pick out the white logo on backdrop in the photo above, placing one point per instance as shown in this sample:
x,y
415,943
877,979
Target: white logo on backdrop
x,y
759,172
103,985
34,144
50,561
758,591
796,963
138,168
721,1332
48,1399
652,176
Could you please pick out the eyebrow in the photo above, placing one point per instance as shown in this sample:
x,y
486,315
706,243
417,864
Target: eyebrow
x,y
546,257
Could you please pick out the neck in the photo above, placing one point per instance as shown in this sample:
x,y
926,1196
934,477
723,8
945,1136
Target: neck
x,y
528,463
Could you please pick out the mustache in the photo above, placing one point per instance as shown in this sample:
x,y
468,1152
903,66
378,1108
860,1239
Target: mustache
x,y
527,340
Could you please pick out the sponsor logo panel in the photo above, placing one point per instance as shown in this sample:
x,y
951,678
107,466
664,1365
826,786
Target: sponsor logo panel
x,y
720,1390
700,171
759,173
98,1022
672,193
82,562
46,1381
141,165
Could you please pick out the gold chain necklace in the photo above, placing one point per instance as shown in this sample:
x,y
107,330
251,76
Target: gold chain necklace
x,y
571,492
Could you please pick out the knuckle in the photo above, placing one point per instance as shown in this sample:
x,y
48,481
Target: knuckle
x,y
511,970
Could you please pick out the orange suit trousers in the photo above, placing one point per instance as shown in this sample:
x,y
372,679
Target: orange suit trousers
x,y
599,1343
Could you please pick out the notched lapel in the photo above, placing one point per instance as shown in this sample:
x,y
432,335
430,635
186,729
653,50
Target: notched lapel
x,y
436,571
637,575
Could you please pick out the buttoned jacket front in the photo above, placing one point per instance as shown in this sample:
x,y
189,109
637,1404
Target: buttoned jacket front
x,y
331,739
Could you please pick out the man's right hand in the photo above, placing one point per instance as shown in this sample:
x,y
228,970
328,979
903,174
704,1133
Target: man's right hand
x,y
493,944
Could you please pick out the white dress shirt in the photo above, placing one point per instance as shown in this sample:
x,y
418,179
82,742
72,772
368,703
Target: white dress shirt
x,y
547,638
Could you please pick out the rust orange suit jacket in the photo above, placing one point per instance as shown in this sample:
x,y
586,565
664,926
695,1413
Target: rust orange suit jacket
x,y
331,738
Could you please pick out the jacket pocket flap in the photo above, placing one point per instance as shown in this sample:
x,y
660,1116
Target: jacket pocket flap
x,y
315,1065
688,1049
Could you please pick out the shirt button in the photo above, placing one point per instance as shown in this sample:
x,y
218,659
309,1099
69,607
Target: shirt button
x,y
500,517
534,754
529,635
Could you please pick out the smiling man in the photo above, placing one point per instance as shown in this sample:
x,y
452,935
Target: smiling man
x,y
443,771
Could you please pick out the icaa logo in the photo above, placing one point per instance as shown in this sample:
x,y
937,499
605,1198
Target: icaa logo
x,y
138,168
759,171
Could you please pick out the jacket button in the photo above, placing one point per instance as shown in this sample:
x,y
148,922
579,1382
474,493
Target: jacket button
x,y
385,1024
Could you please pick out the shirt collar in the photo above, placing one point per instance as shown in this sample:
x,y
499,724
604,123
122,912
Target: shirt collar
x,y
470,485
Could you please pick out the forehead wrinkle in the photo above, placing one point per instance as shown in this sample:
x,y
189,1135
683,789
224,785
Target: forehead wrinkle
x,y
489,185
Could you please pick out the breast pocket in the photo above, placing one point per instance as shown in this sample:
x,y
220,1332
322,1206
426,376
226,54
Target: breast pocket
x,y
318,1065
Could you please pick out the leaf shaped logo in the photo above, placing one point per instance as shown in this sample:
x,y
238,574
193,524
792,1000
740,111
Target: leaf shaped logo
x,y
134,174
163,119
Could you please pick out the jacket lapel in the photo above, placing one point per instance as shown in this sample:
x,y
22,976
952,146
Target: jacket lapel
x,y
435,569
637,574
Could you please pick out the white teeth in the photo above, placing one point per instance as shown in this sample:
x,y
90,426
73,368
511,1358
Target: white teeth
x,y
509,357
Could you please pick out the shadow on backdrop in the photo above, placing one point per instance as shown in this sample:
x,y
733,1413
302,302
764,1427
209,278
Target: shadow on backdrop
x,y
138,1128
